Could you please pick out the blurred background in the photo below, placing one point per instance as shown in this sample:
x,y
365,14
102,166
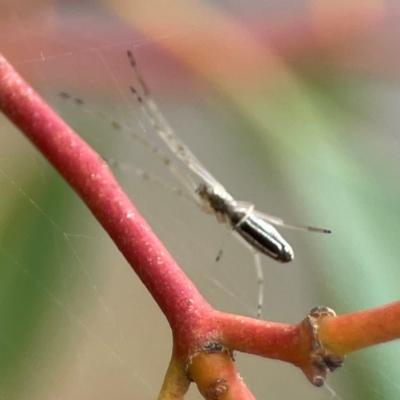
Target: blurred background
x,y
293,105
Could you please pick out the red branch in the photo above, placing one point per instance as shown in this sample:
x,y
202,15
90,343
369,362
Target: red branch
x,y
361,329
92,179
203,337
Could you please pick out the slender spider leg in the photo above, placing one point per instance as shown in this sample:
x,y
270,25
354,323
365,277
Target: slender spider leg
x,y
186,179
260,282
165,131
280,222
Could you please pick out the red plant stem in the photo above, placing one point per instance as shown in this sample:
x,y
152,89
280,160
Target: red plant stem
x,y
194,322
93,181
91,178
215,372
350,332
268,339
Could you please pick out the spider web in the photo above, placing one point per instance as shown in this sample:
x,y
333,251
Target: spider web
x,y
76,321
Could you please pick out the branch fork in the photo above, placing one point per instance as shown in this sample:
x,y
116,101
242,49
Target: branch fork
x,y
204,339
